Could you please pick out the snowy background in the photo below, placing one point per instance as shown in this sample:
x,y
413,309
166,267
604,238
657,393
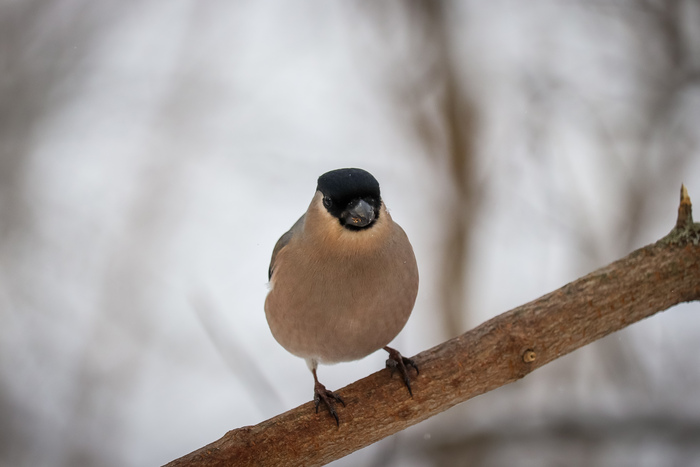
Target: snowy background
x,y
151,153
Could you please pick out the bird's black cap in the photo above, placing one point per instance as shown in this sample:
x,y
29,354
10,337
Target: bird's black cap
x,y
348,184
342,187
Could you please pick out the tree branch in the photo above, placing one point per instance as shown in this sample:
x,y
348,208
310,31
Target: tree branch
x,y
500,351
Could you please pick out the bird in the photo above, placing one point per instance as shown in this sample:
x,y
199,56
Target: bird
x,y
343,280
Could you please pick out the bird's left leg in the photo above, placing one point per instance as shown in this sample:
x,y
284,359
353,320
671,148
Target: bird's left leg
x,y
398,361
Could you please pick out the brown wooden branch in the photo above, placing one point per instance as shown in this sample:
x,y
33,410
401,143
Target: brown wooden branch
x,y
500,351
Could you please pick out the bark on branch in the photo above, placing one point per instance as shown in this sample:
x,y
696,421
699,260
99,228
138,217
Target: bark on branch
x,y
500,351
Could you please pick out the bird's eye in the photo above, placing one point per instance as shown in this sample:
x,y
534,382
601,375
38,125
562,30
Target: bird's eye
x,y
327,202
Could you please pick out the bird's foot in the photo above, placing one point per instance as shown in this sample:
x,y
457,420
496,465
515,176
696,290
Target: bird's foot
x,y
321,394
396,361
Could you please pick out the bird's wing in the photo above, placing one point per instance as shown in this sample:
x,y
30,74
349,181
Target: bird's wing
x,y
282,242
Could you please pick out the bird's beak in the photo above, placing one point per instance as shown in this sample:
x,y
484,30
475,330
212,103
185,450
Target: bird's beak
x,y
359,214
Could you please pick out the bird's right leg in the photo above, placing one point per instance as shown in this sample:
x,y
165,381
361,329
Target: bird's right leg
x,y
328,397
398,361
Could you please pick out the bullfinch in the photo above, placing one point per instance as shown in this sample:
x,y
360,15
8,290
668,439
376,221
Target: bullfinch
x,y
343,280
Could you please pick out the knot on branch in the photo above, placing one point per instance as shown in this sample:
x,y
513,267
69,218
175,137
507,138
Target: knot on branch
x,y
529,356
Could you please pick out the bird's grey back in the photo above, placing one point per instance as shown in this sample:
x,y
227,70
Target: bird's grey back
x,y
283,241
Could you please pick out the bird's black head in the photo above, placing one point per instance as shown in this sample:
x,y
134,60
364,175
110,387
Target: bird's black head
x,y
352,196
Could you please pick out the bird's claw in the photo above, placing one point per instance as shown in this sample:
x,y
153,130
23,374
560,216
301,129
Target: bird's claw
x,y
328,398
398,361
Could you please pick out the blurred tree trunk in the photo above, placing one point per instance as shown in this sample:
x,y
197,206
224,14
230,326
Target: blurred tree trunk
x,y
459,130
